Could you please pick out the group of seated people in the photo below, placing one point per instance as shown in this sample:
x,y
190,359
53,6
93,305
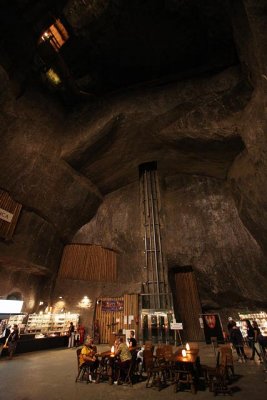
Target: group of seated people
x,y
122,356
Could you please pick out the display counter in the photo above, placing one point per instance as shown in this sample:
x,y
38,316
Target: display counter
x,y
28,343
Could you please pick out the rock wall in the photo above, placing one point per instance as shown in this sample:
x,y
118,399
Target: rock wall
x,y
117,226
53,196
248,174
200,228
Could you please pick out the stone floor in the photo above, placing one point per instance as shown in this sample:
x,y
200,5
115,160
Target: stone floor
x,y
51,375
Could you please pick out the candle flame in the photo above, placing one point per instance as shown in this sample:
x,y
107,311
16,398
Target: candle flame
x,y
187,346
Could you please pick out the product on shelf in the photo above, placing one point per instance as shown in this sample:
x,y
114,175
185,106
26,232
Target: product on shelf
x,y
51,324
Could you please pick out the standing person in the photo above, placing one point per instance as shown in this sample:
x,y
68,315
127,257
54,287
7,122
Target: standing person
x,y
4,337
13,341
230,324
71,335
257,339
81,331
250,336
237,340
132,341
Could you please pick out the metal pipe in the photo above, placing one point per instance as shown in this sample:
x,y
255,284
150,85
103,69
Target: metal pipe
x,y
145,222
164,277
151,270
155,244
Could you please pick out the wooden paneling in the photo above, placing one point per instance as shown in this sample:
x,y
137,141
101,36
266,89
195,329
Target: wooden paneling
x,y
188,304
8,204
113,321
89,263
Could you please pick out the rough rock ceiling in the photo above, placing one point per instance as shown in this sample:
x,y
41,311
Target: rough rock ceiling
x,y
149,65
118,43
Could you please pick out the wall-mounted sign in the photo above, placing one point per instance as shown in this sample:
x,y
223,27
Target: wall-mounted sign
x,y
5,215
112,305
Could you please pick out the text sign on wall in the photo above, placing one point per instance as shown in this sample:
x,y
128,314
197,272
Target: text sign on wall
x,y
5,215
112,305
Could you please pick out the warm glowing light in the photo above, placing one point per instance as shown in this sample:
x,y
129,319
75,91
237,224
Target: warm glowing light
x,y
112,349
187,346
53,77
184,353
85,302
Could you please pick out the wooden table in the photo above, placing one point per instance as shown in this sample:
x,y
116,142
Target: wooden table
x,y
190,358
186,369
106,366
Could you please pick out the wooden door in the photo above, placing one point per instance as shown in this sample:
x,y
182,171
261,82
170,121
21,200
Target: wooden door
x,y
187,304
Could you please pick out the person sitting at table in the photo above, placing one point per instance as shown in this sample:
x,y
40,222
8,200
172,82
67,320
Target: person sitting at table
x,y
123,353
88,356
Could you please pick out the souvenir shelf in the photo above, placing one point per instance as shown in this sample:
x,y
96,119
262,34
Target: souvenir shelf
x,y
260,317
49,324
16,319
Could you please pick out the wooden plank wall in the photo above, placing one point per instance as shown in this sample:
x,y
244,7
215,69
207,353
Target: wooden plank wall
x,y
8,204
89,263
107,318
188,304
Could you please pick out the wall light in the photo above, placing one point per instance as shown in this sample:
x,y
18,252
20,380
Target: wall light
x,y
85,302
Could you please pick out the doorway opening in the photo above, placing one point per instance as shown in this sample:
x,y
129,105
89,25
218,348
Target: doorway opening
x,y
156,326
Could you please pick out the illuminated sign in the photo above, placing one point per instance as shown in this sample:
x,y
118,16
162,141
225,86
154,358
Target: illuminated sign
x,y
10,306
5,215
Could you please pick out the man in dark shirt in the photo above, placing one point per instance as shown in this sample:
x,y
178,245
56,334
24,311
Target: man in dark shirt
x,y
3,338
13,341
132,341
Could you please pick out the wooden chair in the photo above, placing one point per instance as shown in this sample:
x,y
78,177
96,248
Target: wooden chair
x,y
217,378
169,363
160,355
226,356
84,371
156,374
149,346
